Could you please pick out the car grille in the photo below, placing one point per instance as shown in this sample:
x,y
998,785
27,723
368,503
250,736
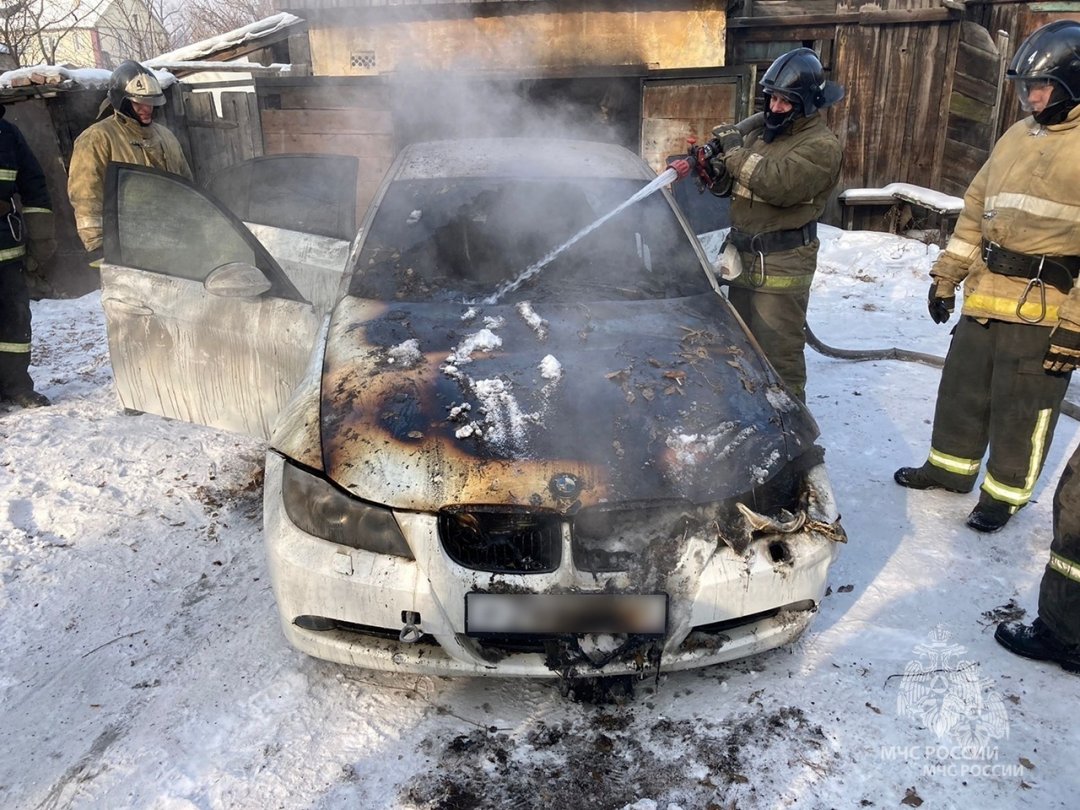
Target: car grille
x,y
619,538
501,541
605,537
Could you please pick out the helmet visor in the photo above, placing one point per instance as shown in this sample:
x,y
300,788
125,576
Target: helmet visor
x,y
780,92
1036,94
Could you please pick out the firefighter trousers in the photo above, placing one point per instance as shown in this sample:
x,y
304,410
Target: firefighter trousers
x,y
14,331
776,320
994,392
1059,593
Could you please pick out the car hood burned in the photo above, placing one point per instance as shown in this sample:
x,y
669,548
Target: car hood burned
x,y
558,406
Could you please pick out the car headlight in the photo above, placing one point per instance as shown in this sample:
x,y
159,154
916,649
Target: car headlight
x,y
319,507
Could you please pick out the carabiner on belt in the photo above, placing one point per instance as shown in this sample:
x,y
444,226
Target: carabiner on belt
x,y
15,224
757,280
1035,282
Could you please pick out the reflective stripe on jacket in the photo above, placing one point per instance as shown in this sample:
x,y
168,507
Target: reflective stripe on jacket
x,y
1026,197
779,186
20,174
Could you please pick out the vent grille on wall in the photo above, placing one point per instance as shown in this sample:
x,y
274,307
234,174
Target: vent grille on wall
x,y
364,60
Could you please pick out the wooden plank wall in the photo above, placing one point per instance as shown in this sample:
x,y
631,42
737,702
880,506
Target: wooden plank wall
x,y
1017,21
888,5
323,116
673,111
218,141
893,118
784,8
973,104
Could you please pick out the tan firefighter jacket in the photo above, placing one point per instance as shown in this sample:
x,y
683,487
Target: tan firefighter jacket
x,y
780,186
121,139
1026,198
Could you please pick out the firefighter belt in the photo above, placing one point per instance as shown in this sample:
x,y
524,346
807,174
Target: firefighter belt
x,y
1058,271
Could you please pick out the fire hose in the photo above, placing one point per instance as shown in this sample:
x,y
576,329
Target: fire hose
x,y
1068,408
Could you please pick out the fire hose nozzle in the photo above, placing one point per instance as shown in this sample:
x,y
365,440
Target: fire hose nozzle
x,y
683,167
698,157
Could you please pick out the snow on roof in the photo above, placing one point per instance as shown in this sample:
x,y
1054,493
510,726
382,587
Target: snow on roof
x,y
231,39
63,77
235,66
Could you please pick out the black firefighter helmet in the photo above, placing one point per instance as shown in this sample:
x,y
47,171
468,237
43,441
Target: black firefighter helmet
x,y
133,82
1050,55
799,77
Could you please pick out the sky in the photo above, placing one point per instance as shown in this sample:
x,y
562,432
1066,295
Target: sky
x,y
144,667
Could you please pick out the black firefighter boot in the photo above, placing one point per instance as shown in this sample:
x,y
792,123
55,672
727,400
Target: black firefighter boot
x,y
29,399
1036,641
16,386
989,514
920,478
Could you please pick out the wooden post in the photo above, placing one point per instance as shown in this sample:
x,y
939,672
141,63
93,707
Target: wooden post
x,y
1003,50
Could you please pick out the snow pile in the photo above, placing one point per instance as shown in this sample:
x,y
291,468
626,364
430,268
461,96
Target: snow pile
x,y
64,77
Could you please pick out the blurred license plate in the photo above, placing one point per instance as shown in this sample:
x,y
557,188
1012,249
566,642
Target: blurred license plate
x,y
566,613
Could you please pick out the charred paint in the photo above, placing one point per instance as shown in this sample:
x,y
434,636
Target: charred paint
x,y
655,401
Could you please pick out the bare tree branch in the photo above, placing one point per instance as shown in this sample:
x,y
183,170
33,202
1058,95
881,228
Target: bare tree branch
x,y
209,18
46,30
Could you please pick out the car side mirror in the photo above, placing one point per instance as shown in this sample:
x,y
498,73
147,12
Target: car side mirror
x,y
237,280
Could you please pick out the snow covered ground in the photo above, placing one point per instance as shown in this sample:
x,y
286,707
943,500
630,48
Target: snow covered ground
x,y
143,666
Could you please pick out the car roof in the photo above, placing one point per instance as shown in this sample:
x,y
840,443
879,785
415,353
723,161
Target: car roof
x,y
519,157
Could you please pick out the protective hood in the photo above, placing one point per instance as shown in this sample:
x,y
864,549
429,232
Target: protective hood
x,y
427,405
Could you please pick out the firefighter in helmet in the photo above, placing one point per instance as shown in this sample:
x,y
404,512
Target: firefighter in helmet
x,y
1046,70
27,241
129,135
779,177
1016,250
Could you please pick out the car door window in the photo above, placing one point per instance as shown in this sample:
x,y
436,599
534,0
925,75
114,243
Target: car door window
x,y
313,194
159,222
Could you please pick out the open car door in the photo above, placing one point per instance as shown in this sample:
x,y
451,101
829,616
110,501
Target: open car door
x,y
204,324
302,208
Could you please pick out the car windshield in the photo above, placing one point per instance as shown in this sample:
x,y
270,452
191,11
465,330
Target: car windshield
x,y
459,239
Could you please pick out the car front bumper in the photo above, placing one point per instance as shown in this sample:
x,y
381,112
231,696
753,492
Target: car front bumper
x,y
721,605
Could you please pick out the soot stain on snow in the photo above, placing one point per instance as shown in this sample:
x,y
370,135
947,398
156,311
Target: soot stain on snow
x,y
611,759
1009,612
244,490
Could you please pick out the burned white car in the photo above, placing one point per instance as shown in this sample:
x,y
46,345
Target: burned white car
x,y
500,442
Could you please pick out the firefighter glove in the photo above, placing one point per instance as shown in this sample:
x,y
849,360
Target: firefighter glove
x,y
941,300
720,177
728,137
1064,352
40,237
682,168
